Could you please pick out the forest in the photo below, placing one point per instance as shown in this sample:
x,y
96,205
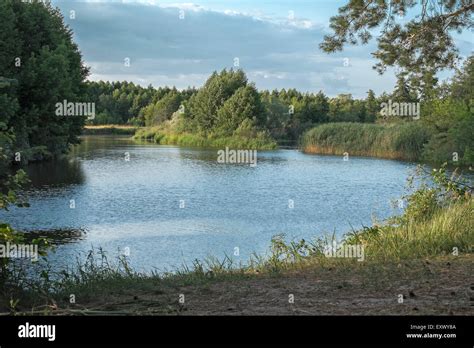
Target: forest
x,y
41,68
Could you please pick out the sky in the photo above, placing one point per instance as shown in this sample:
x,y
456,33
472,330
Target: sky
x,y
276,42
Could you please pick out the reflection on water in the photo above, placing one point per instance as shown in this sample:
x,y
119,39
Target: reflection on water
x,y
135,203
58,236
60,172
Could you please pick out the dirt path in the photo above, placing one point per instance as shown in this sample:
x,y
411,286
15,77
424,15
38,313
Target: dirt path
x,y
442,287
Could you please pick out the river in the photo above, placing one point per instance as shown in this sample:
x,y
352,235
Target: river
x,y
167,205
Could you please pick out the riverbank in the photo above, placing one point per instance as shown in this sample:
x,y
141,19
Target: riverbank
x,y
431,286
257,141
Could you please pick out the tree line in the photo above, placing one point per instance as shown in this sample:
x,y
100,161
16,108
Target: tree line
x,y
39,68
225,101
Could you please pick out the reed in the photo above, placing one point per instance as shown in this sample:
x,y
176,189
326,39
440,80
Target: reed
x,y
401,141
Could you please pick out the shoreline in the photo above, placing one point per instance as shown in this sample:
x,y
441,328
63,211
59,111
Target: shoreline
x,y
140,134
422,286
109,130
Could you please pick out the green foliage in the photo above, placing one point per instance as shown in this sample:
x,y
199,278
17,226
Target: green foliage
x,y
163,109
243,105
44,66
372,107
226,111
438,219
127,103
110,129
451,117
245,137
221,105
345,109
277,115
420,44
10,186
443,133
203,107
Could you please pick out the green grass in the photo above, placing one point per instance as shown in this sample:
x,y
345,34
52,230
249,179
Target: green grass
x,y
159,136
449,229
403,141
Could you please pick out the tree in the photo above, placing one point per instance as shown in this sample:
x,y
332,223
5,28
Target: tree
x,y
37,50
9,184
321,108
372,107
204,105
244,104
402,92
341,109
163,109
451,119
462,86
421,44
277,115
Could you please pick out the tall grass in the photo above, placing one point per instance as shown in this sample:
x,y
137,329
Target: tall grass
x,y
449,231
163,137
403,141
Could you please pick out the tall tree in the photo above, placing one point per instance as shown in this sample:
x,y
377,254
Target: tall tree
x,y
402,92
204,105
244,104
38,51
372,106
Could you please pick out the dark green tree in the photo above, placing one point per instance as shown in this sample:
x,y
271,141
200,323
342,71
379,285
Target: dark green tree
x,y
37,50
204,105
372,107
244,104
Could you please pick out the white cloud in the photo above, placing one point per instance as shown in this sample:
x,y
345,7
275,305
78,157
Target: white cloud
x,y
275,52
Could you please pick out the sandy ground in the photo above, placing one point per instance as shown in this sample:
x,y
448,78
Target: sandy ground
x,y
441,287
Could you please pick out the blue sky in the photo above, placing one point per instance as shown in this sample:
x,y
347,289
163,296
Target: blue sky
x,y
180,43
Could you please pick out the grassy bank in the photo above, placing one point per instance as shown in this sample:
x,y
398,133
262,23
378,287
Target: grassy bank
x,y
436,286
425,255
109,129
156,134
447,230
402,141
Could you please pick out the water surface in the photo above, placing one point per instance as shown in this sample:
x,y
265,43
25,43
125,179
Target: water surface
x,y
135,204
